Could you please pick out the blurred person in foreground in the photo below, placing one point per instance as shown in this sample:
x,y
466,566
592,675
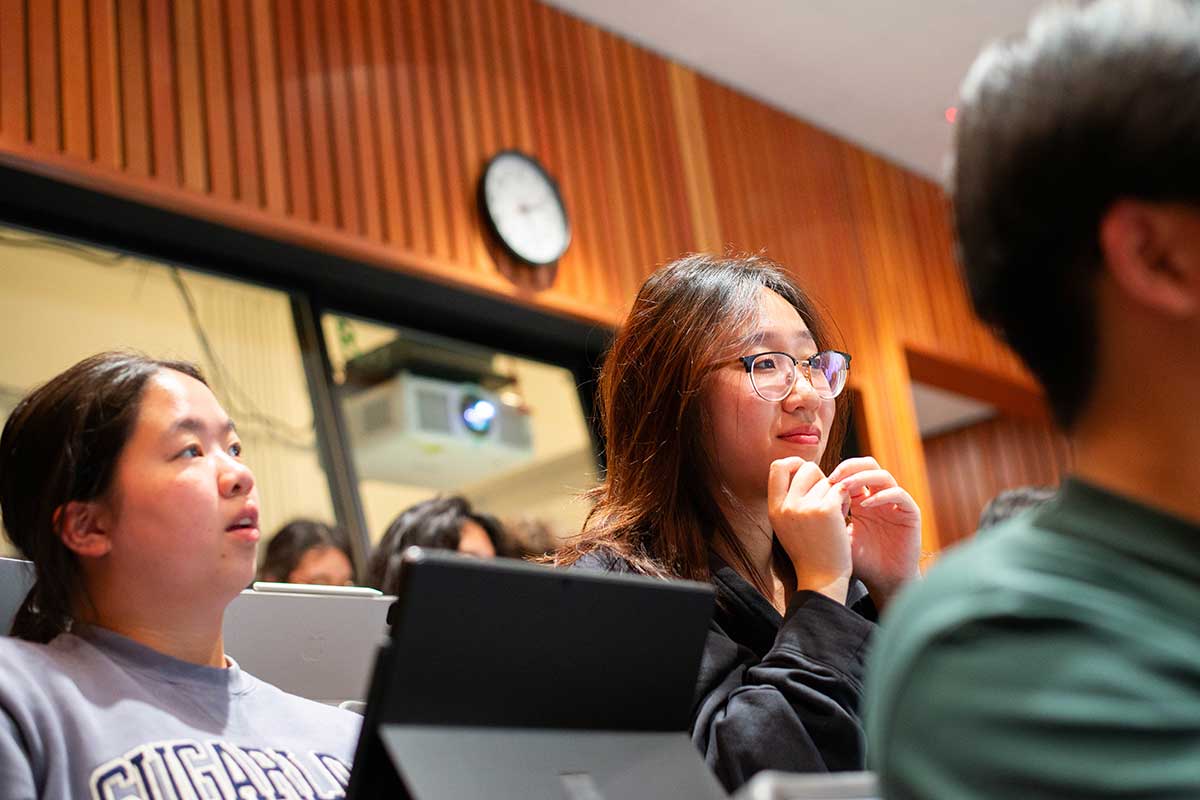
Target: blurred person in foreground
x,y
1059,656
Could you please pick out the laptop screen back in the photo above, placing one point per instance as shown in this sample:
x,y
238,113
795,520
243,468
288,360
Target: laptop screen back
x,y
317,646
16,578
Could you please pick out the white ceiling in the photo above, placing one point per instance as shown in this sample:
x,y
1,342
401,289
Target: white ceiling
x,y
877,72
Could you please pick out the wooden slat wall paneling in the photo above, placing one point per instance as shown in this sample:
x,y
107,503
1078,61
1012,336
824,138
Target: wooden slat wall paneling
x,y
529,42
727,178
299,151
313,66
456,196
74,60
614,245
431,192
248,178
693,148
14,65
161,65
634,205
491,53
514,53
680,237
105,88
268,103
651,121
44,87
383,118
475,139
602,158
404,75
366,149
190,75
135,103
222,167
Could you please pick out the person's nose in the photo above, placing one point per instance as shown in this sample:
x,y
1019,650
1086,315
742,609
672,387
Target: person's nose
x,y
802,395
236,478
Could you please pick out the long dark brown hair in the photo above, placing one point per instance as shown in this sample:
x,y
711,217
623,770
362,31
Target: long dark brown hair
x,y
61,444
658,507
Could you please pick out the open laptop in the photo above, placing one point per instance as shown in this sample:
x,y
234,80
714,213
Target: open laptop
x,y
509,680
316,642
16,579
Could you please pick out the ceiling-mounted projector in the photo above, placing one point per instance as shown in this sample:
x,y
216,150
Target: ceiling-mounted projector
x,y
421,431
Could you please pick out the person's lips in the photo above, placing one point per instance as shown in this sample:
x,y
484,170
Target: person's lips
x,y
802,435
245,525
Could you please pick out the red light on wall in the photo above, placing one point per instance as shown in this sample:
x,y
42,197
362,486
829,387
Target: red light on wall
x,y
951,114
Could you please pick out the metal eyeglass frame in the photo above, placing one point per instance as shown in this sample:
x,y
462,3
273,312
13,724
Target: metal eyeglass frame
x,y
801,366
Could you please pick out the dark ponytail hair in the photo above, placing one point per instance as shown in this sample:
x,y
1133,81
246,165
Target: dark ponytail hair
x,y
59,445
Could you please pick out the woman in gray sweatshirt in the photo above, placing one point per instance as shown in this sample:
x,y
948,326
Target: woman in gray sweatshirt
x,y
122,479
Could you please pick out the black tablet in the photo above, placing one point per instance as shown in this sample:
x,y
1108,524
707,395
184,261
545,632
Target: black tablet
x,y
507,679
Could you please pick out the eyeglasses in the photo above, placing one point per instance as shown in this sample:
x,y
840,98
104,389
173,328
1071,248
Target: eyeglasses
x,y
773,375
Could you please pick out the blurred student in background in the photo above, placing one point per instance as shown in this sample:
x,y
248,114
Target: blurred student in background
x,y
1059,654
443,523
531,537
307,551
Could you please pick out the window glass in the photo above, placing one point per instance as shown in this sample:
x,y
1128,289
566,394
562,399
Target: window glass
x,y
432,416
61,301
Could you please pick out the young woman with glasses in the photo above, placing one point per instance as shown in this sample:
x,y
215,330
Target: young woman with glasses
x,y
720,409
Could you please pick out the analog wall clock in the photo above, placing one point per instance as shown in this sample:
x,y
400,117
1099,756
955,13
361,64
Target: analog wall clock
x,y
522,206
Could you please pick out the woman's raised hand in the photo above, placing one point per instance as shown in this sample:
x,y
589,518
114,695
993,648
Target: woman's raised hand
x,y
808,514
885,527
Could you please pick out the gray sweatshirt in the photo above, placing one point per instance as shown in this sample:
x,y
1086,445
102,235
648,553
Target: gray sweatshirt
x,y
94,714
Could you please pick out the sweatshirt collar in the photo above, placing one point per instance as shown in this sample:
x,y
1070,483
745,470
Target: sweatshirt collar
x,y
1138,531
149,662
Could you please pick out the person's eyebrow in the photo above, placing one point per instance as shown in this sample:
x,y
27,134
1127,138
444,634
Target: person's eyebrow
x,y
772,337
196,426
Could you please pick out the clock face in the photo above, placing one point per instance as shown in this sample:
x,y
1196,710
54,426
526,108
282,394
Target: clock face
x,y
522,203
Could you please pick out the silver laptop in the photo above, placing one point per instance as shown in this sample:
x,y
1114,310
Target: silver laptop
x,y
788,786
16,578
317,645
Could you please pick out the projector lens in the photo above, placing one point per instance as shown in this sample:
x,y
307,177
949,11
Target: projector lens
x,y
477,414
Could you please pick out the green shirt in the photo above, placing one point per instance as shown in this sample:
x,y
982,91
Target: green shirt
x,y
1057,655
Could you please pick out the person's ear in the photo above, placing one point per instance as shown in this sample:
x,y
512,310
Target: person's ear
x,y
83,527
1152,252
